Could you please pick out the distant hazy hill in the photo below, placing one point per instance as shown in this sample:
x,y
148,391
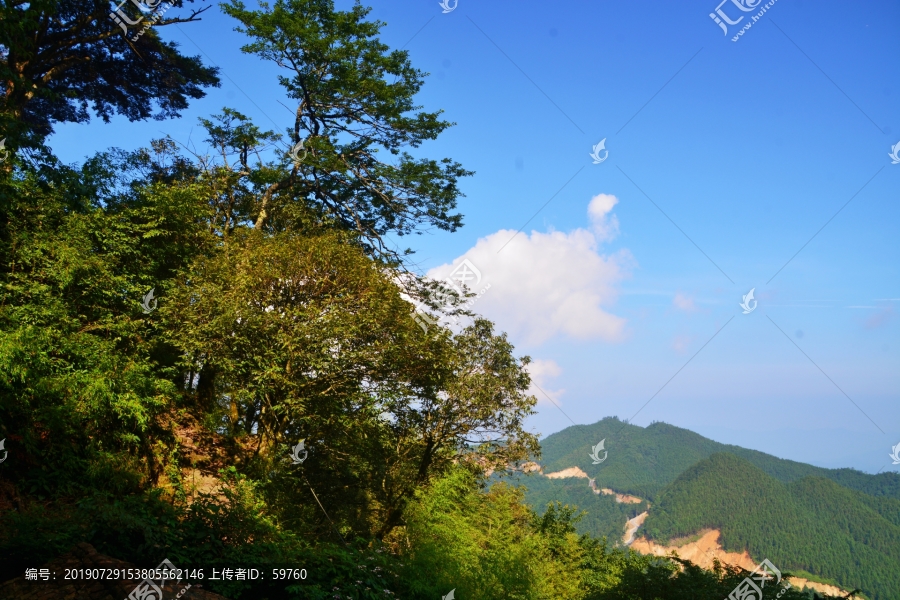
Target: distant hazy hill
x,y
841,524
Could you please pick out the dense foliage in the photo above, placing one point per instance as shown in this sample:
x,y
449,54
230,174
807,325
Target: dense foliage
x,y
811,524
62,59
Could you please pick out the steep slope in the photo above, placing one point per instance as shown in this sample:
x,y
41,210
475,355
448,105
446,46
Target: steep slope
x,y
813,524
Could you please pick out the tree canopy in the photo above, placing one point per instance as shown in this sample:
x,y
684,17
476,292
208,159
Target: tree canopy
x,y
355,114
62,59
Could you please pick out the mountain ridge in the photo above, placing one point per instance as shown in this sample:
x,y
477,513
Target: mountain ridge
x,y
665,451
840,524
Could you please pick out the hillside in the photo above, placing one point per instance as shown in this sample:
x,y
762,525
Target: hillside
x,y
604,516
839,524
642,461
812,524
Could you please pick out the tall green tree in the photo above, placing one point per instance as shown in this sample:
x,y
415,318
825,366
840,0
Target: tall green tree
x,y
355,116
290,337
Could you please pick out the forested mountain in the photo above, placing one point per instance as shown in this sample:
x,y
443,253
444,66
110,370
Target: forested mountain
x,y
642,461
812,523
839,524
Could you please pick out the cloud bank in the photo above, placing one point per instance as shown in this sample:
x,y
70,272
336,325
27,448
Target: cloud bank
x,y
548,284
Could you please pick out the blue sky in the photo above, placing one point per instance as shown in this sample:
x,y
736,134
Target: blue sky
x,y
725,159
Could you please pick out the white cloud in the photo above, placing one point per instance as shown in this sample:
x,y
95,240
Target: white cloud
x,y
541,372
605,226
684,302
545,284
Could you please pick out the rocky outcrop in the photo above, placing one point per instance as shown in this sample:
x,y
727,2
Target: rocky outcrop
x,y
84,556
575,472
822,588
620,498
702,551
567,473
